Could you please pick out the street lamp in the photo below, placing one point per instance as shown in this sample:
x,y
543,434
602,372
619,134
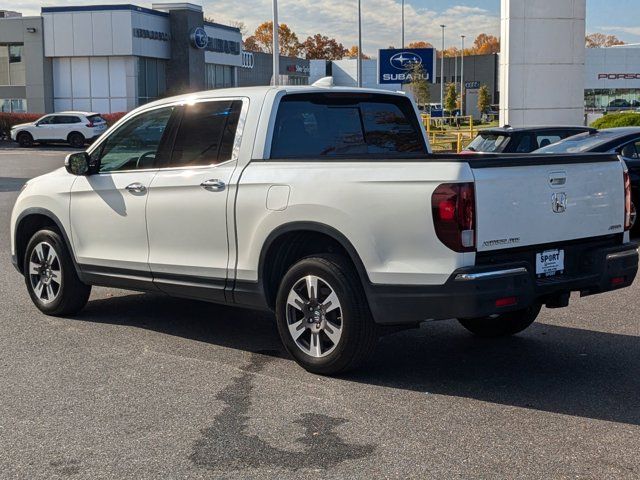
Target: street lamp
x,y
402,43
442,71
359,44
462,89
276,46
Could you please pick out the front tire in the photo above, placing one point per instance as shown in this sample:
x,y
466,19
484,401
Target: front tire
x,y
76,140
502,325
25,139
323,316
50,275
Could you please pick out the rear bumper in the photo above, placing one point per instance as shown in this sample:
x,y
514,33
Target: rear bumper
x,y
473,292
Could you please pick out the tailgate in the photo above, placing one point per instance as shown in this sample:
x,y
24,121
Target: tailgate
x,y
538,200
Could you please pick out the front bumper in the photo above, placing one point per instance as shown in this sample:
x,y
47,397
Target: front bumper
x,y
473,292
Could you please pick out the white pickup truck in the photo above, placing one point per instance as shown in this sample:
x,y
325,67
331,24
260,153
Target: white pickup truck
x,y
326,206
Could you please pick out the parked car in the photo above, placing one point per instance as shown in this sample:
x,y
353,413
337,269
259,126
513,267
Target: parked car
x,y
326,206
508,139
620,104
74,128
620,141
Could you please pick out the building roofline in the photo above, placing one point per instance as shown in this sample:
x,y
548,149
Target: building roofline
x,y
103,8
219,25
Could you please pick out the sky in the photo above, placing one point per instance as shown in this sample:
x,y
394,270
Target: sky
x,y
381,18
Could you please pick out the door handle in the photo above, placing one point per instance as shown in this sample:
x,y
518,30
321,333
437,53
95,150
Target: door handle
x,y
213,184
136,187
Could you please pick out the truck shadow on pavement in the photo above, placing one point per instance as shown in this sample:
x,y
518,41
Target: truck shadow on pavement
x,y
548,368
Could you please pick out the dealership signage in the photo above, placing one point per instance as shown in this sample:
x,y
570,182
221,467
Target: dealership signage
x,y
397,65
150,34
298,69
471,85
200,40
619,76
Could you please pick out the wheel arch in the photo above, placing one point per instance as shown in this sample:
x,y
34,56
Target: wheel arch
x,y
293,241
28,223
75,131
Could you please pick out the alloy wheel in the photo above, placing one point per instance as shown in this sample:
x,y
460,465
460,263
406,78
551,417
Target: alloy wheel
x,y
45,272
314,316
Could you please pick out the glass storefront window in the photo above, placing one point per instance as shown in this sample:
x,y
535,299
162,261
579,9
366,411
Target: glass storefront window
x,y
15,105
219,76
12,65
618,98
152,82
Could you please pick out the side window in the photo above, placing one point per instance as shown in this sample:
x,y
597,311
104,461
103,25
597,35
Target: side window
x,y
630,150
46,120
546,139
524,146
134,144
206,133
319,125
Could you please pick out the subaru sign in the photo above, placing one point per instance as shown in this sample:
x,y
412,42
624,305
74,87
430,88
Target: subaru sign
x,y
199,38
395,65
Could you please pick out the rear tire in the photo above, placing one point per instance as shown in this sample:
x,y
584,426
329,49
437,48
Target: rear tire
x,y
25,139
503,325
323,316
76,140
50,275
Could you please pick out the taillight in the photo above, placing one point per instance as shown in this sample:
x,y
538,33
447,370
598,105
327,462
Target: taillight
x,y
90,125
454,215
628,207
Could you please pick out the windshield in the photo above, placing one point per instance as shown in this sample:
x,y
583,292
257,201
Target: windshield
x,y
488,143
583,142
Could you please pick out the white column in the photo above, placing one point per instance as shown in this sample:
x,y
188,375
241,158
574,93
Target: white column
x,y
542,62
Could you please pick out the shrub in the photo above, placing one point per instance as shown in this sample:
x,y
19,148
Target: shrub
x,y
8,120
112,118
613,120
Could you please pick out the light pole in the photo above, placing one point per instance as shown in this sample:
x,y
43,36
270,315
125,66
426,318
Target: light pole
x,y
276,46
359,44
442,71
462,89
455,70
402,43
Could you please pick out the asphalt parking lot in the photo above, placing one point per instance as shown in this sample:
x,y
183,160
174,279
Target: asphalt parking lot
x,y
143,386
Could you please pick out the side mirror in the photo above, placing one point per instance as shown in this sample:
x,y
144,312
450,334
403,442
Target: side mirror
x,y
77,163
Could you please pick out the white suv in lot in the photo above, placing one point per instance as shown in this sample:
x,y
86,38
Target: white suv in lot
x,y
325,206
74,128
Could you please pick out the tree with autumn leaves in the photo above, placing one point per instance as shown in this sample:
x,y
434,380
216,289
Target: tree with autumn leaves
x,y
600,40
262,40
315,47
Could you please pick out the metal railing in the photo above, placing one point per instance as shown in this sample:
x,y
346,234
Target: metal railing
x,y
449,134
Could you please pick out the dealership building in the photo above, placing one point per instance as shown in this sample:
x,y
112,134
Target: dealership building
x,y
112,58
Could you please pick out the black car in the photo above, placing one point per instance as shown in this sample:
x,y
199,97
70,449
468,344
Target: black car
x,y
621,141
520,140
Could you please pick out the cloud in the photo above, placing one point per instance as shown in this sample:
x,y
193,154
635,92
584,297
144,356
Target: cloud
x,y
635,31
338,19
380,24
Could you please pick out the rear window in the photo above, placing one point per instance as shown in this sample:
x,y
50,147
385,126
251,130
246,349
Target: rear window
x,y
312,126
583,142
96,119
488,143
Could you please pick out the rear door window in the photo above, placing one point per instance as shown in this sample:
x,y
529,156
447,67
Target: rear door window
x,y
316,126
547,138
630,151
206,133
525,144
